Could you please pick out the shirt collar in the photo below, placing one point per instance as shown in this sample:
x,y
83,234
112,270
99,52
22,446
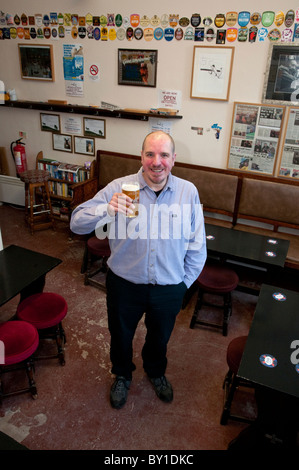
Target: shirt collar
x,y
169,184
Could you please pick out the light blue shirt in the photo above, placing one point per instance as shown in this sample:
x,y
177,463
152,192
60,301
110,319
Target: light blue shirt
x,y
164,244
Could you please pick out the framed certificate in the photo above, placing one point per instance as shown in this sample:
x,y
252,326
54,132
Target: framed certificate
x,y
84,145
95,128
50,122
62,142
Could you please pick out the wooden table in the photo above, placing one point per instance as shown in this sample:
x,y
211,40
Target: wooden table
x,y
271,355
23,271
260,251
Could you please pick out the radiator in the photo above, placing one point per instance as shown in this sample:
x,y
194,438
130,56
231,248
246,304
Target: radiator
x,y
12,190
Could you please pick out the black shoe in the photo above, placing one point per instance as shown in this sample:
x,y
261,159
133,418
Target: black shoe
x,y
119,391
162,388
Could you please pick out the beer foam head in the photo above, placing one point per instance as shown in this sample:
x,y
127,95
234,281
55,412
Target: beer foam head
x,y
130,186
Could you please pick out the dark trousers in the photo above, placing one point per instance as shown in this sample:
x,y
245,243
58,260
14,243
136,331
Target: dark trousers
x,y
126,304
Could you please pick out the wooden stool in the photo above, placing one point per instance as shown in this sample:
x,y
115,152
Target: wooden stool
x,y
20,340
46,311
234,355
219,280
43,217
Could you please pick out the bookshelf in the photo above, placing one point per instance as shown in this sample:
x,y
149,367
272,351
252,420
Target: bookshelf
x,y
69,184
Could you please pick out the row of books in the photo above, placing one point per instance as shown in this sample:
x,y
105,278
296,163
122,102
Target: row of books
x,y
64,171
60,189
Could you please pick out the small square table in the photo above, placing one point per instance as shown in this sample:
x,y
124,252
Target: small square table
x,y
246,247
23,271
271,355
267,253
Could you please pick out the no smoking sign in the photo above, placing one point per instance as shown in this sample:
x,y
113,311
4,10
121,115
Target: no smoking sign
x,y
94,72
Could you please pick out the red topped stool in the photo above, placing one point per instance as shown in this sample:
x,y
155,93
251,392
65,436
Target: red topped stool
x,y
234,355
37,216
19,340
46,311
218,280
95,259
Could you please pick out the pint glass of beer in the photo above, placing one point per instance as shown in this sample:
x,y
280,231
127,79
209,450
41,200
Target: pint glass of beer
x,y
131,189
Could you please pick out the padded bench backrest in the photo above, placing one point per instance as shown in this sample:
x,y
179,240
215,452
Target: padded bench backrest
x,y
267,200
112,166
216,190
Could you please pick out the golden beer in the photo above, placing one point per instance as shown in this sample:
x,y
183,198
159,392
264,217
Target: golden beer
x,y
131,189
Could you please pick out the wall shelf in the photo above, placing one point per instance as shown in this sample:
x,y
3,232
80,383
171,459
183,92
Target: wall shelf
x,y
88,110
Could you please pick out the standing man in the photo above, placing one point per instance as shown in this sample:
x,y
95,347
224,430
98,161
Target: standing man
x,y
154,258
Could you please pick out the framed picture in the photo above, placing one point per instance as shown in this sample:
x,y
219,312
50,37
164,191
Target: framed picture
x,y
289,160
137,67
282,75
211,72
95,128
255,136
36,62
62,142
50,122
84,145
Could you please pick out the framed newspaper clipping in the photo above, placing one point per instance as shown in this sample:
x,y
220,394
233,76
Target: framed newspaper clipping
x,y
289,159
255,136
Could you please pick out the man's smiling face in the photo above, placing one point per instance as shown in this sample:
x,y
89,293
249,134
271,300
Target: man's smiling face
x,y
157,159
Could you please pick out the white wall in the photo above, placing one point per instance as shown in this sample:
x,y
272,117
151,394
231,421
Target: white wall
x,y
174,73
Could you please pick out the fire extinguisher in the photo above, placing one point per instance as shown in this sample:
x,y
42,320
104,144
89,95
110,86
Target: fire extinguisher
x,y
19,156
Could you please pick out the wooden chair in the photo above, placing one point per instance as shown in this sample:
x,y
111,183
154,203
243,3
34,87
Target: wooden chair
x,y
94,265
232,381
218,280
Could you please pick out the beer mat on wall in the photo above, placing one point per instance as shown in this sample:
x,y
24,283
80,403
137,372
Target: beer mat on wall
x,y
242,26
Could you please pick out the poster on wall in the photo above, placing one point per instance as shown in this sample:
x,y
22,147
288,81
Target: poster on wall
x,y
170,99
73,69
137,67
211,72
36,62
255,135
281,84
289,161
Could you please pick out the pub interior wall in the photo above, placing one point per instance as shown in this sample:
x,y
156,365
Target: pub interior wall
x,y
173,73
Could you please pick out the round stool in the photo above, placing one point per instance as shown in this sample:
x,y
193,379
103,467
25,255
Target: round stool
x,y
96,250
234,355
219,280
20,340
37,216
46,311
